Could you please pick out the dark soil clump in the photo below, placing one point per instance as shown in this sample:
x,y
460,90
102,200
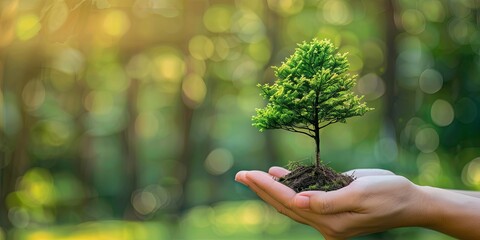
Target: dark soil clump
x,y
323,178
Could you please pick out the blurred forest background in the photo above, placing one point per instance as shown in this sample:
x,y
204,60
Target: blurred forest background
x,y
128,119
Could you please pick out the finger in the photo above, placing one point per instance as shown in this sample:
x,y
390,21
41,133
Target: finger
x,y
285,210
368,172
276,190
240,177
267,184
266,196
278,172
332,202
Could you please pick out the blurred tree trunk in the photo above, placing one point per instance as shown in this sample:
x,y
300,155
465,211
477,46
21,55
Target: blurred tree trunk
x,y
192,16
76,26
17,163
183,168
3,149
16,157
477,11
3,156
273,24
84,162
129,141
8,13
391,89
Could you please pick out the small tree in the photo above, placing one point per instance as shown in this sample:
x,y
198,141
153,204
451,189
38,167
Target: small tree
x,y
313,90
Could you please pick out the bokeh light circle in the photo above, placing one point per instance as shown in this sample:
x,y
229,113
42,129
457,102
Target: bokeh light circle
x,y
430,81
427,140
219,161
218,18
413,21
442,113
471,173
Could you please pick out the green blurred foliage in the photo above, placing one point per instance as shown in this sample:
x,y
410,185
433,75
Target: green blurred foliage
x,y
129,119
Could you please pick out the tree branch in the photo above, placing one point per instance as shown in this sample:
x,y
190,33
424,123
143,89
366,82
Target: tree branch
x,y
291,129
303,127
327,124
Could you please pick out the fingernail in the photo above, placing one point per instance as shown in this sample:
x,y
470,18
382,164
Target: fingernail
x,y
302,202
239,176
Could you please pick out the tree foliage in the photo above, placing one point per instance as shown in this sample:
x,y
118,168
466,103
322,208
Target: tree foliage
x,y
313,90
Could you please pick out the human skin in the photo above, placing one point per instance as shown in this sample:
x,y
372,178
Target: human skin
x,y
376,201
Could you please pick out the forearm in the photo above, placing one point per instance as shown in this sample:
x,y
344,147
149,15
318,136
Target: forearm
x,y
475,194
452,213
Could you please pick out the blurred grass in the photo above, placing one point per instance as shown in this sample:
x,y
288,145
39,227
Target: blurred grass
x,y
227,220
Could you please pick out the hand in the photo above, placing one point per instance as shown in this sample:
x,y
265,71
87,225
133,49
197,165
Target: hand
x,y
377,200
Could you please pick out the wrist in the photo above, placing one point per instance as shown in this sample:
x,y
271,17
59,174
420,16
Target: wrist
x,y
452,213
416,209
430,208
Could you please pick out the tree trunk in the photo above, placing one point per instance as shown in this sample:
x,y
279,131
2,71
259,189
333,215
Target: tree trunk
x,y
317,133
317,146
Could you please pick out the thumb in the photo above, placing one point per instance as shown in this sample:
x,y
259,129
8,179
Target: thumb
x,y
326,202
